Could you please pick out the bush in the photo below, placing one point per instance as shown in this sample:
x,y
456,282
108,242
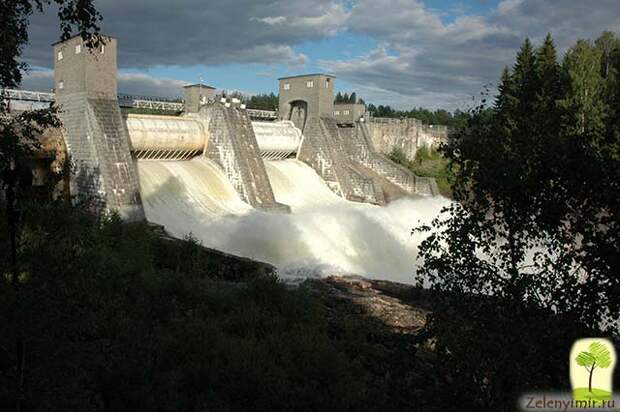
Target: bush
x,y
106,326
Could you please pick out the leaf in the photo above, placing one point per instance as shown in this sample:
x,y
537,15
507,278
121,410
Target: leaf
x,y
585,359
601,354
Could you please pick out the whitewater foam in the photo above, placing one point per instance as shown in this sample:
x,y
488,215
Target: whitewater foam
x,y
324,233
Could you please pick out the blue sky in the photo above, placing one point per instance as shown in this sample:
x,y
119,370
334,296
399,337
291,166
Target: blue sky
x,y
433,53
259,78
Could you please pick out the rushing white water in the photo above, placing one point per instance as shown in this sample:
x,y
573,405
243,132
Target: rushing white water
x,y
323,234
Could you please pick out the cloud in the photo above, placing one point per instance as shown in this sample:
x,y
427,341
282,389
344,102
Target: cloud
x,y
198,32
438,64
420,57
128,83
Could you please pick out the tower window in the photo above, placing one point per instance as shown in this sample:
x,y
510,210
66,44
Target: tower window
x,y
102,49
61,85
59,55
78,49
327,83
287,86
310,84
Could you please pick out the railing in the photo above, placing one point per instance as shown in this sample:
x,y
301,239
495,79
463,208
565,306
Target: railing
x,y
27,95
393,120
262,114
158,105
128,100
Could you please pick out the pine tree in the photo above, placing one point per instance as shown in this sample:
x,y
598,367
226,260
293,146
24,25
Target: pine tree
x,y
548,76
526,82
506,104
338,98
353,98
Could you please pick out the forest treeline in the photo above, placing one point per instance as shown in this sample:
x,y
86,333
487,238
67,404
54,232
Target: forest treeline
x,y
526,260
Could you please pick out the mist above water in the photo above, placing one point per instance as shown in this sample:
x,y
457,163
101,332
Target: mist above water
x,y
324,234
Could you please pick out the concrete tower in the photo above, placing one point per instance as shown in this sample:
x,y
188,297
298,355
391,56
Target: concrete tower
x,y
95,134
306,96
92,72
197,95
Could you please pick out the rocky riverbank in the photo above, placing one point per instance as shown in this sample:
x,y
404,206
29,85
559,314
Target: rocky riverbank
x,y
381,323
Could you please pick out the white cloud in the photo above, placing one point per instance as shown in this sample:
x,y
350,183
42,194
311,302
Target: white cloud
x,y
420,59
430,63
198,32
129,83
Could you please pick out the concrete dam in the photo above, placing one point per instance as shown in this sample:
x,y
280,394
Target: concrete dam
x,y
303,189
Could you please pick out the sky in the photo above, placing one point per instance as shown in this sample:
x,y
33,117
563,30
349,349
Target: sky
x,y
405,53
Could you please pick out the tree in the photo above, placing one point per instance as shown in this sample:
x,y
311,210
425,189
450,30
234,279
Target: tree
x,y
608,44
353,98
19,134
531,243
263,102
339,98
598,356
584,108
548,77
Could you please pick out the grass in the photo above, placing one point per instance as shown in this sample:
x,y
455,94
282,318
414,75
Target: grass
x,y
597,396
427,163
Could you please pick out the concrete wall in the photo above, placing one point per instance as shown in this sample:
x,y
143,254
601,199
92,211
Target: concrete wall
x,y
348,113
233,145
362,150
196,95
94,130
405,134
396,181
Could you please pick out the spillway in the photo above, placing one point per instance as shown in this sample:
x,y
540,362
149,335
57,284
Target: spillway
x,y
296,184
182,194
324,233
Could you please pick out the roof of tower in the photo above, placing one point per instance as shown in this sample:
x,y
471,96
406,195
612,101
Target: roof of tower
x,y
200,85
79,35
307,75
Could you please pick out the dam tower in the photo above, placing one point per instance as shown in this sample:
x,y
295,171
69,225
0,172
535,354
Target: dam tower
x,y
96,138
305,97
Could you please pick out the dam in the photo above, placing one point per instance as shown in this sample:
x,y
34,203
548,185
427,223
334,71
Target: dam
x,y
303,188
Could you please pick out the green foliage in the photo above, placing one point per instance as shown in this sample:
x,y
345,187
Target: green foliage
x,y
583,105
398,156
18,140
110,324
438,117
263,102
428,162
75,16
598,355
526,259
135,110
346,98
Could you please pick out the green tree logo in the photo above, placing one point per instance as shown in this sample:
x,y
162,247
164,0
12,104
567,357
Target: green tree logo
x,y
598,356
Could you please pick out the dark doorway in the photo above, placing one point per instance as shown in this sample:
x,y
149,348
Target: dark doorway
x,y
298,113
